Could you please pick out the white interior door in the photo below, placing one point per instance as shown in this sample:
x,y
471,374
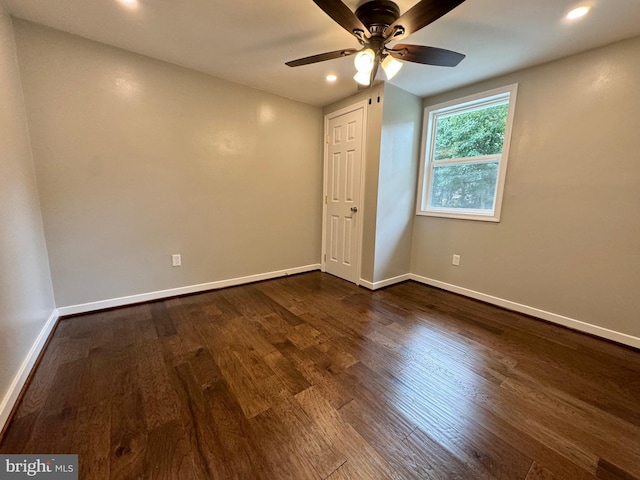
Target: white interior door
x,y
343,183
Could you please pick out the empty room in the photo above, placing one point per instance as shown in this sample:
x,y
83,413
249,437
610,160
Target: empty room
x,y
320,239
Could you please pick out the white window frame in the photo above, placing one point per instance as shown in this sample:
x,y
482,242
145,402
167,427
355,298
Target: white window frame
x,y
465,104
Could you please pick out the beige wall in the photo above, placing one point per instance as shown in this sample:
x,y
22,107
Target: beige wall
x,y
138,159
26,296
569,238
398,172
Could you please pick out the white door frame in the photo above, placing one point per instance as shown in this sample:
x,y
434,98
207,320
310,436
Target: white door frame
x,y
327,118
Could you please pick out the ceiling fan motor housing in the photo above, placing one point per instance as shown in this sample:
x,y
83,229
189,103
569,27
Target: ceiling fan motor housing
x,y
377,15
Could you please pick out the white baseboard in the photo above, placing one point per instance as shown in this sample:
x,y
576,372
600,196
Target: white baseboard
x,y
172,292
386,282
366,284
535,312
21,377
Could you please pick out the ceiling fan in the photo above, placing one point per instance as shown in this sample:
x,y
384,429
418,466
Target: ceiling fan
x,y
377,23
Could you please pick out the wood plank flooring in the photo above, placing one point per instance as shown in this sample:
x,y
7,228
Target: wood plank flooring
x,y
311,377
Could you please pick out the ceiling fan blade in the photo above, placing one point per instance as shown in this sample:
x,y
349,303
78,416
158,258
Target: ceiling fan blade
x,y
343,15
321,57
418,16
427,55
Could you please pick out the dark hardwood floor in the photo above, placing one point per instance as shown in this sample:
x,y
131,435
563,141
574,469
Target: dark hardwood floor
x,y
310,377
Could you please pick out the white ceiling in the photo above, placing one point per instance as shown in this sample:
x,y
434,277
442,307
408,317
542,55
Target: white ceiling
x,y
248,41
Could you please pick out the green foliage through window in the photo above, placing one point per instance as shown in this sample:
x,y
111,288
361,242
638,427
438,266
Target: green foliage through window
x,y
468,185
471,134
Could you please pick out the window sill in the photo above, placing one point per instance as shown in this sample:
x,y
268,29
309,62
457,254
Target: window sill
x,y
460,216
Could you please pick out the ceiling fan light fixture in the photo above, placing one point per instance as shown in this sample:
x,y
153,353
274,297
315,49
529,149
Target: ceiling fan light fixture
x,y
364,61
363,78
391,66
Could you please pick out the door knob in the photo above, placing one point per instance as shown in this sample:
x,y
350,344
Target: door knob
x,y
354,209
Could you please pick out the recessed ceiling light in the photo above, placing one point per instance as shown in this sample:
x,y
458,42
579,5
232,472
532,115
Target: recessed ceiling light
x,y
331,78
578,12
129,3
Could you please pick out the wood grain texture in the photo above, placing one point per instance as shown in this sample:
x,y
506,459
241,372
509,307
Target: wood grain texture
x,y
311,377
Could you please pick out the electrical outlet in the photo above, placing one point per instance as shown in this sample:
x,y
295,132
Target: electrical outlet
x,y
176,260
456,260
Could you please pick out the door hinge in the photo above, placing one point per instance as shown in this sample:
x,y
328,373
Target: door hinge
x,y
325,257
327,140
326,199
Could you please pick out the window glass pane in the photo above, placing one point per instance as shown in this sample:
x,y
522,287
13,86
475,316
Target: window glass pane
x,y
471,133
470,185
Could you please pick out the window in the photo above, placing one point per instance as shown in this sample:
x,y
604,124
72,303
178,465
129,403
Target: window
x,y
464,156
